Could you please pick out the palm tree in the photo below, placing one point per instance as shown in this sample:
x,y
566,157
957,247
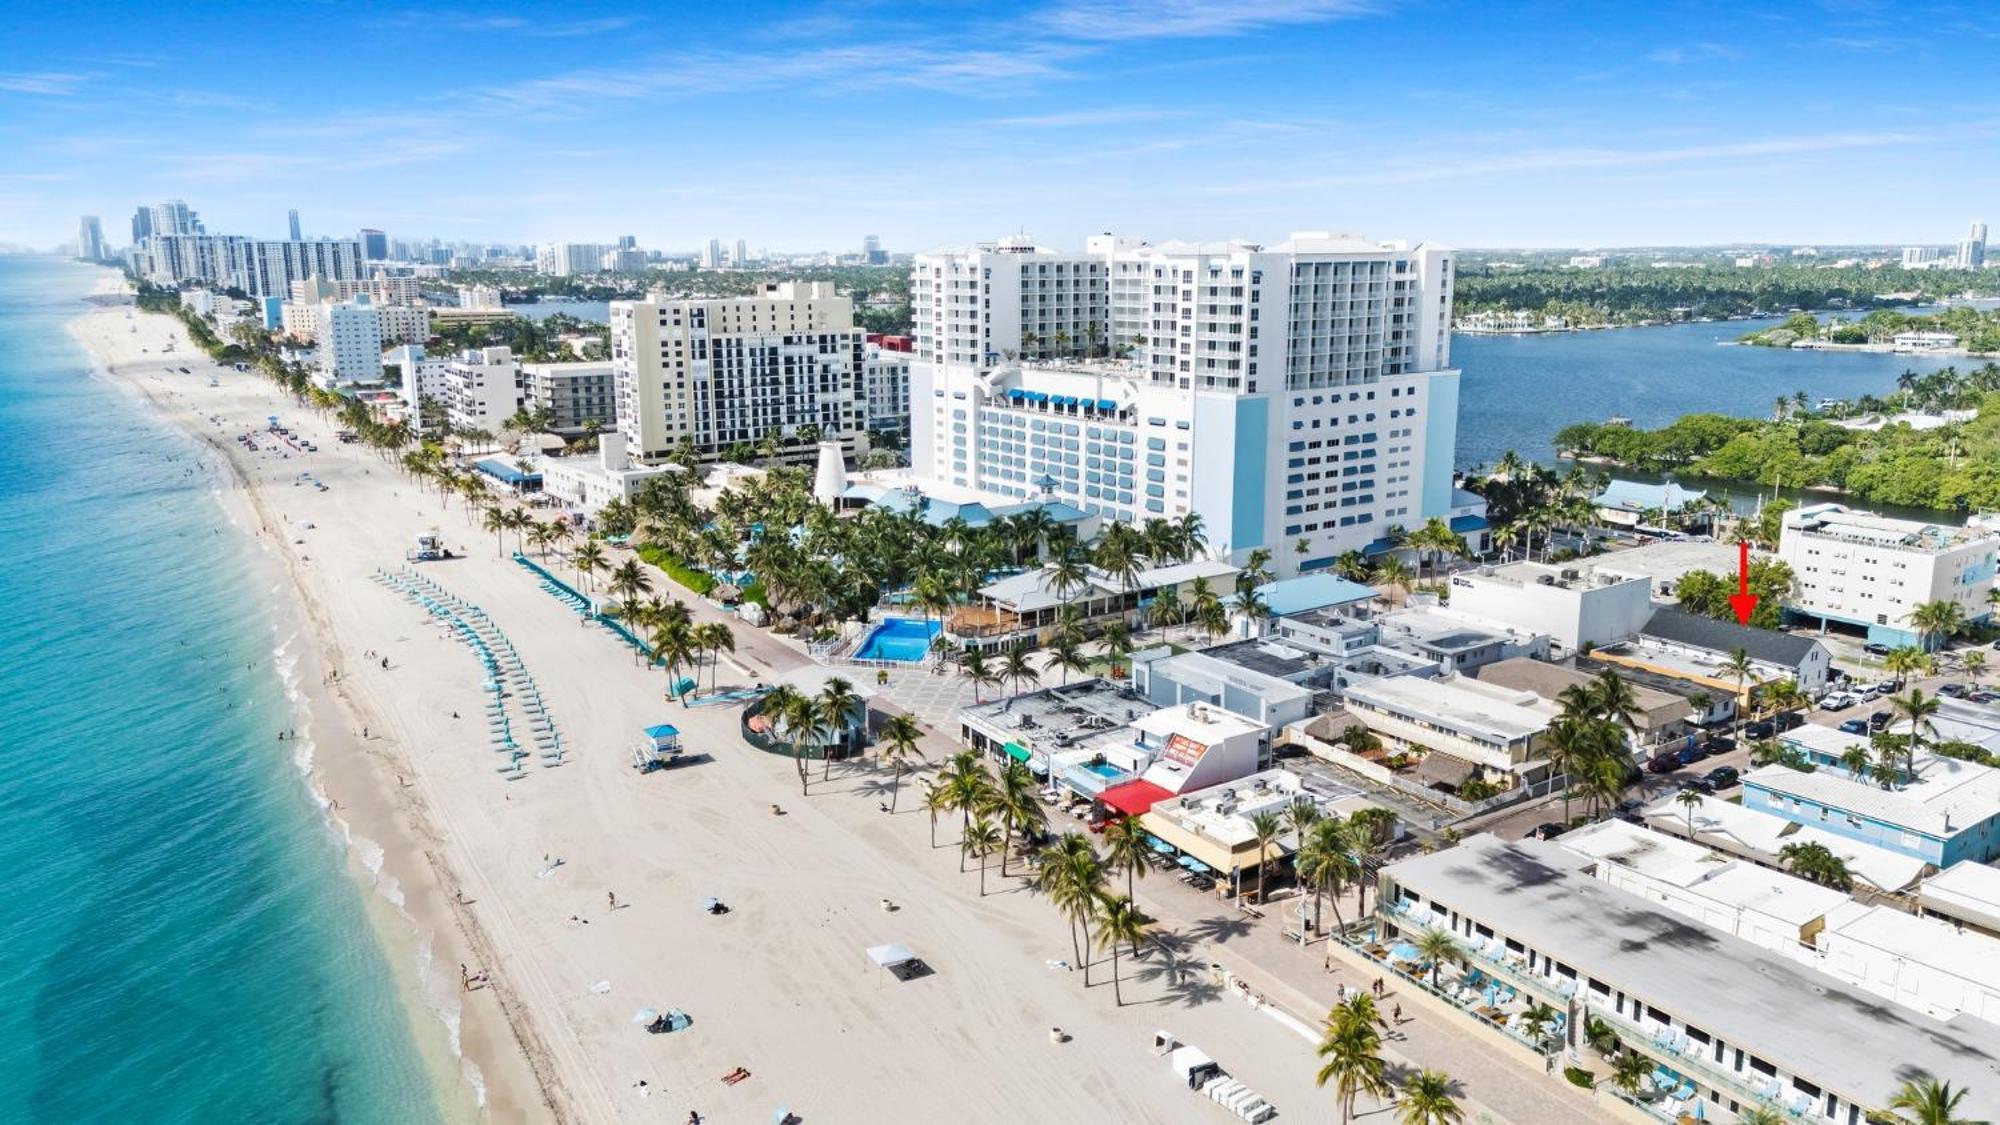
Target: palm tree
x,y
1392,573
1918,708
980,839
1118,923
1904,660
1927,1101
1631,1069
1013,798
588,559
937,800
1817,863
1973,663
1265,827
1117,641
496,521
1073,877
1019,669
1437,947
716,638
1427,1100
1740,667
1936,621
1126,846
1570,739
1536,1020
1856,760
1068,656
1069,573
1352,1061
837,703
1324,863
982,675
1760,1115
1689,800
899,740
629,581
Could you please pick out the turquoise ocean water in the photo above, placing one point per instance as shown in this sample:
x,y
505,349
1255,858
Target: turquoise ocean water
x,y
181,940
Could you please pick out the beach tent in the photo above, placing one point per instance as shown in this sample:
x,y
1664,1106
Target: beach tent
x,y
891,955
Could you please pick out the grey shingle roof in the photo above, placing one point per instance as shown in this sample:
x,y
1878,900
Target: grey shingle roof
x,y
1725,637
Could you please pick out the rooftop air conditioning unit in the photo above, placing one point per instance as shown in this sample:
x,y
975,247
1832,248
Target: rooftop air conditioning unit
x,y
1545,579
1570,574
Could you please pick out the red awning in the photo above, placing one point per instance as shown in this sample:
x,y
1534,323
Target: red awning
x,y
1134,798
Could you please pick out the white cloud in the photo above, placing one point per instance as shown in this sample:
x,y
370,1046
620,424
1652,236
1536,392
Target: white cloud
x,y
54,84
1692,52
1180,19
1083,118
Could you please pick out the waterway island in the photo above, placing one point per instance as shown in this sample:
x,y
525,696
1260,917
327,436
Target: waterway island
x,y
1934,442
1957,330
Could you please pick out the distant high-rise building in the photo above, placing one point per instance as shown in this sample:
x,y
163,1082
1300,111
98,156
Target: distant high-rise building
x,y
292,220
742,254
628,241
90,239
142,226
871,250
565,259
1923,257
1972,248
374,245
711,257
174,217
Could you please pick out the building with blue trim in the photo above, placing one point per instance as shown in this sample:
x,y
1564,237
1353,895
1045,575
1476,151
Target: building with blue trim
x,y
1869,573
1296,397
1946,810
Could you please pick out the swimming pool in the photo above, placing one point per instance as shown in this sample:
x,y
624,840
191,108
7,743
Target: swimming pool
x,y
1105,770
906,640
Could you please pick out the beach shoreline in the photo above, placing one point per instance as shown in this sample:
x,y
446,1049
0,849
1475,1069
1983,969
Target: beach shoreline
x,y
578,886
478,1066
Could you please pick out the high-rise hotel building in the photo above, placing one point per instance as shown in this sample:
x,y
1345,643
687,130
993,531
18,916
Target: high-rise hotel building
x,y
1298,397
729,370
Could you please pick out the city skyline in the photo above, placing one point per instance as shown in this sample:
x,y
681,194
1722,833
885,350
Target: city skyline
x,y
1556,127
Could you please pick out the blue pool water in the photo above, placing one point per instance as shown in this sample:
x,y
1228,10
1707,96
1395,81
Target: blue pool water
x,y
1105,769
182,942
905,639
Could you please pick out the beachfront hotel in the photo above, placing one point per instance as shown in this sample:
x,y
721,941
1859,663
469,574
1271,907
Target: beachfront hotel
x,y
1870,572
1291,394
724,371
1727,1023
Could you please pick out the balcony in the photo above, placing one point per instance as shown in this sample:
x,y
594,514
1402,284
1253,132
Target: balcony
x,y
1666,1047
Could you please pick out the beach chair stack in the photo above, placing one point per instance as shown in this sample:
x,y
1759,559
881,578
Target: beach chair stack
x,y
512,693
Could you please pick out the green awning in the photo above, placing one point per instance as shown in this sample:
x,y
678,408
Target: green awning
x,y
1017,751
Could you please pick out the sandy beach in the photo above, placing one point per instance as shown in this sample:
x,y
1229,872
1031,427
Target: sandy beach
x,y
780,985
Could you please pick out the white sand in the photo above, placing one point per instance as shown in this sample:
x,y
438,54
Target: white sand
x,y
781,984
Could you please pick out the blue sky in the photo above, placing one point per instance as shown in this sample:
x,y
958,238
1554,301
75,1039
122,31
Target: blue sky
x,y
807,126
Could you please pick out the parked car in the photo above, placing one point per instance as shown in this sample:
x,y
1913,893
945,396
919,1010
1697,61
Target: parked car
x,y
1789,720
1838,701
1875,649
1854,726
1954,691
1982,697
1665,763
1547,830
1689,755
1720,744
1721,777
1697,785
1879,721
1629,809
1762,728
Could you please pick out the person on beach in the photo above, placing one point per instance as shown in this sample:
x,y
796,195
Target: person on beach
x,y
1397,1015
612,898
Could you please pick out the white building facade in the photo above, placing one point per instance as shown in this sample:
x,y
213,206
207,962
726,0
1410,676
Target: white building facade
x,y
1870,571
349,343
885,379
1298,392
720,372
481,389
574,394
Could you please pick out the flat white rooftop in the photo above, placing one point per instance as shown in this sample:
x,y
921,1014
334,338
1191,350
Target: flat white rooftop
x,y
1806,1022
1948,796
1457,704
1965,890
1760,835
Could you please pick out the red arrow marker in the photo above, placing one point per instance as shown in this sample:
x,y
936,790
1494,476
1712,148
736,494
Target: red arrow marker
x,y
1743,601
